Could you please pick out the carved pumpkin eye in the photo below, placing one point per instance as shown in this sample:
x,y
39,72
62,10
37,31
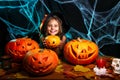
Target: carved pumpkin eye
x,y
34,58
40,61
89,48
29,44
18,48
45,58
80,52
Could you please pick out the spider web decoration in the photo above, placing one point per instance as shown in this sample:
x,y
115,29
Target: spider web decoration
x,y
23,17
101,26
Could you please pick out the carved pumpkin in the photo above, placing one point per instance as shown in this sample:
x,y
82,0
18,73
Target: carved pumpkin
x,y
40,61
17,48
52,41
80,52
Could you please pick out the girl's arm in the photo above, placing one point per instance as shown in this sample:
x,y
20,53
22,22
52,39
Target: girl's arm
x,y
59,49
63,41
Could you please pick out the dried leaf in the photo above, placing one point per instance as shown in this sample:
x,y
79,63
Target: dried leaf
x,y
67,67
89,74
81,68
59,68
91,66
2,72
81,74
21,75
60,62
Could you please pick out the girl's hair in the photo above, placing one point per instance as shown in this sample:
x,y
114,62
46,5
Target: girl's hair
x,y
44,28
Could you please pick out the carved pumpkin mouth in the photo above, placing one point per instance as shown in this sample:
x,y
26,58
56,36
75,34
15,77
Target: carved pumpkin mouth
x,y
16,54
83,54
40,68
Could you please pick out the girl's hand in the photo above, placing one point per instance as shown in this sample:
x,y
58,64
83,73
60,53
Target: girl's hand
x,y
79,39
44,43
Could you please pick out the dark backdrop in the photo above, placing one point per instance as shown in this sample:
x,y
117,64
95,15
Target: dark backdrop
x,y
72,17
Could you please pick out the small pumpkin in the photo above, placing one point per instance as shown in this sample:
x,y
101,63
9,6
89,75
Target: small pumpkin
x,y
80,51
17,48
40,61
52,41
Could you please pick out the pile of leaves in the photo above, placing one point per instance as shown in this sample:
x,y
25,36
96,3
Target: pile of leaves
x,y
70,71
86,71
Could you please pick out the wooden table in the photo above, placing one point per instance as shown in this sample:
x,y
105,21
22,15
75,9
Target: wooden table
x,y
66,72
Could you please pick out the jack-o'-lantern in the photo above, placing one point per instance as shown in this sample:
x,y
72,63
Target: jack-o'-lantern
x,y
52,41
80,51
17,48
40,61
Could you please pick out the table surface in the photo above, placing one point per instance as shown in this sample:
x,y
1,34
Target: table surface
x,y
64,71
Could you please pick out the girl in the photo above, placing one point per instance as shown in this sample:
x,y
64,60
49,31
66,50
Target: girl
x,y
53,26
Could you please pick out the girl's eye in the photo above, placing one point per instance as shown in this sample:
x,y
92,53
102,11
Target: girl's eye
x,y
56,25
49,25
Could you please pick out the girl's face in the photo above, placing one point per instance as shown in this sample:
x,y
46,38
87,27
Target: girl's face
x,y
53,27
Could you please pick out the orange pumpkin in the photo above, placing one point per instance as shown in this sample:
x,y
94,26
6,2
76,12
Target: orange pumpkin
x,y
52,41
40,61
80,52
17,48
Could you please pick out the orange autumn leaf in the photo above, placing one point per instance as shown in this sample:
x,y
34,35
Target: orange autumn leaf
x,y
91,66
